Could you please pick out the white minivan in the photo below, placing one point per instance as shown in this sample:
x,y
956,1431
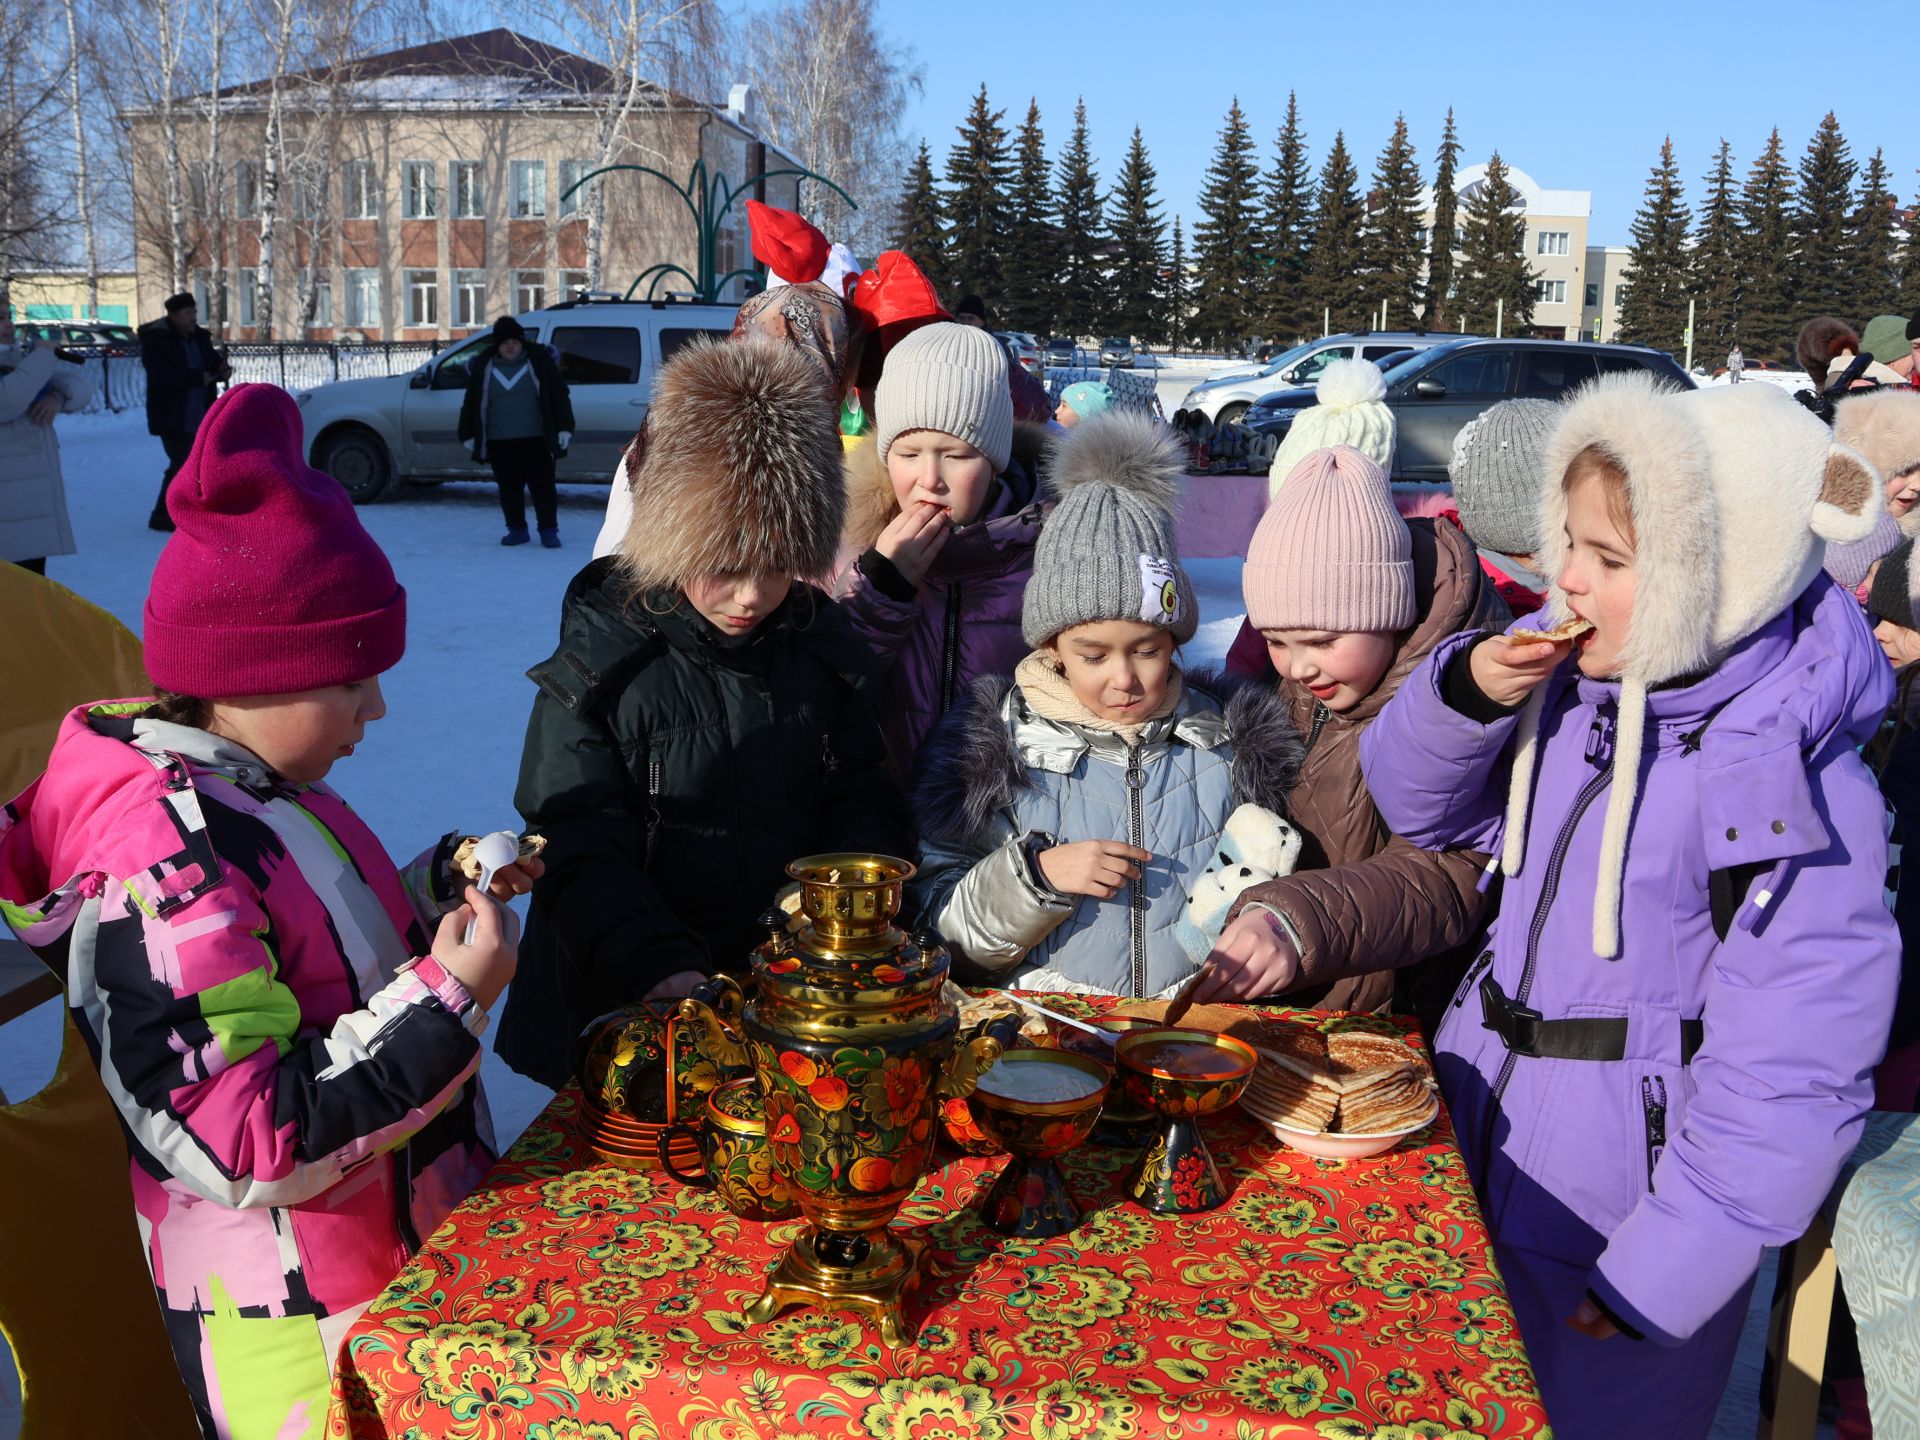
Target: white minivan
x,y
369,433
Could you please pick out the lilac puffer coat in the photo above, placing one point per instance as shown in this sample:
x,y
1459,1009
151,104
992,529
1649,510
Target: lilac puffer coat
x,y
1657,1179
965,621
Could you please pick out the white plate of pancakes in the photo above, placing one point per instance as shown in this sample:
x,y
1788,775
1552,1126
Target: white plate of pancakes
x,y
1342,1094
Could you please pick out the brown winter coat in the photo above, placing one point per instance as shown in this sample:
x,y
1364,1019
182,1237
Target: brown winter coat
x,y
1362,901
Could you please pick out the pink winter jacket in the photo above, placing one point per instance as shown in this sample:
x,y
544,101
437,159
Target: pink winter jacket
x,y
964,620
298,1090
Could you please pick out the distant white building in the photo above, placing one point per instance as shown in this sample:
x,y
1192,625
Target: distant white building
x,y
1577,284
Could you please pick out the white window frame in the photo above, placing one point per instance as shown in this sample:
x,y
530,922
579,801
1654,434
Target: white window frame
x,y
246,287
469,299
529,291
359,190
363,299
525,203
322,318
467,183
421,197
1552,242
570,281
570,173
423,299
1550,292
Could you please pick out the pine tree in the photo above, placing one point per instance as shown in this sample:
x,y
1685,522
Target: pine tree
x,y
1336,288
1443,240
1392,244
1226,259
979,174
1654,309
1910,264
1715,263
1082,233
1496,281
1033,236
1139,238
1870,263
1768,257
917,226
1819,285
1177,287
1287,219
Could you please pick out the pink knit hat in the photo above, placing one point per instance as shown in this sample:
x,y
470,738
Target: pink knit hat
x,y
1331,552
270,585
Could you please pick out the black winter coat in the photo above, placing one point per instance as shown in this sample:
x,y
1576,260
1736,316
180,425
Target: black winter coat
x,y
163,355
675,773
556,401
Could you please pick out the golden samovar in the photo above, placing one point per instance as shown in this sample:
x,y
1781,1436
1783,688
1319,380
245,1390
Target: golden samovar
x,y
855,1047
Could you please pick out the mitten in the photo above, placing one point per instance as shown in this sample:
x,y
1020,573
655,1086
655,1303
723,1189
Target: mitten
x,y
1256,846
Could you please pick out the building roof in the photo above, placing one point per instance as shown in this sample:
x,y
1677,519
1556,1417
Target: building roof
x,y
1534,199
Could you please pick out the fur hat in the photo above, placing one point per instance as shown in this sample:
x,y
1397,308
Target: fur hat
x,y
1884,426
1349,408
1108,550
741,470
1733,489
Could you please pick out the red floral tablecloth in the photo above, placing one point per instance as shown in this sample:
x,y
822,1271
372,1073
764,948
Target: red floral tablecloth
x,y
566,1300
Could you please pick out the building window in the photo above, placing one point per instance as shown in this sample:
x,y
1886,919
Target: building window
x,y
246,190
1420,237
360,190
469,190
1552,242
1592,297
529,189
320,317
363,298
1552,292
248,287
1616,295
570,173
423,193
529,291
423,298
469,298
572,283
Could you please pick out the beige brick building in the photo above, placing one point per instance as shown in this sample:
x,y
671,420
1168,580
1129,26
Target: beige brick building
x,y
424,189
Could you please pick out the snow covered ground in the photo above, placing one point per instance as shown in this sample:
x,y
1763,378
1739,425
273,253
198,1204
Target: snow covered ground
x,y
447,753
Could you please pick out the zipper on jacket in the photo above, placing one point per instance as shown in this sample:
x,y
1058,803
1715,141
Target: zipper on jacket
x,y
950,650
1137,889
1653,1102
655,778
1600,755
1320,717
1484,959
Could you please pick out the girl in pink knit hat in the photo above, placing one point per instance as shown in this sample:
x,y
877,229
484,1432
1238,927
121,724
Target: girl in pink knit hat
x,y
287,1024
1344,600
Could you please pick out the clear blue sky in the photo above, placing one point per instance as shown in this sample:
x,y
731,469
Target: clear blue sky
x,y
1579,96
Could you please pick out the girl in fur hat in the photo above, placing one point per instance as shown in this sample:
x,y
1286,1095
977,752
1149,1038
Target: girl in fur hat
x,y
1666,1053
1067,814
706,717
944,508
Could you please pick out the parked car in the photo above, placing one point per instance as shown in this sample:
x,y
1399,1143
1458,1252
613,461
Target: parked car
x,y
1117,350
1024,349
1225,398
1063,350
1436,391
369,433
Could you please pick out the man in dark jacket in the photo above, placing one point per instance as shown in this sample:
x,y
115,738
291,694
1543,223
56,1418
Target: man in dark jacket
x,y
184,373
518,414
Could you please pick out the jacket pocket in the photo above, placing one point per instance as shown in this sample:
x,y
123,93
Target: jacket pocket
x,y
1653,1108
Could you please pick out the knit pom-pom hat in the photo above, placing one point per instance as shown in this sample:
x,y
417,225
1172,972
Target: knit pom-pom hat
x,y
1107,552
1349,408
269,585
1331,553
1735,491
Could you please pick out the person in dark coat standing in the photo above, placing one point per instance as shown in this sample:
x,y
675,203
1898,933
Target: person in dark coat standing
x,y
184,374
519,416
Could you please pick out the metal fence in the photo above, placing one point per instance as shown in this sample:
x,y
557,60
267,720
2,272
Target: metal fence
x,y
120,380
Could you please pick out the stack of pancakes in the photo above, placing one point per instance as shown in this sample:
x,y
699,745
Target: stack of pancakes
x,y
1348,1082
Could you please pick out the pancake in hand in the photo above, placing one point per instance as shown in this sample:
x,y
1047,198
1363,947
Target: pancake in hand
x,y
1571,628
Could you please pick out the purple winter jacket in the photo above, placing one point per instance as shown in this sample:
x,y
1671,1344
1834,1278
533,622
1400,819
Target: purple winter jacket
x,y
965,620
1661,1181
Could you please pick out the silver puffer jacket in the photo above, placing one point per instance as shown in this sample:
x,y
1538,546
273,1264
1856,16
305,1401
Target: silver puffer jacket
x,y
999,784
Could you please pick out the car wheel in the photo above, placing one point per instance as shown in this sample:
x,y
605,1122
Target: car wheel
x,y
358,460
1232,414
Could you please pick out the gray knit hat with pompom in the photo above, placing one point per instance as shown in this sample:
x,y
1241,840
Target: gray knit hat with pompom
x,y
1108,551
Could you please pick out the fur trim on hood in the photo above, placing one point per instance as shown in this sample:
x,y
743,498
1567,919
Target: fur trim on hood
x,y
969,769
1884,426
870,501
741,470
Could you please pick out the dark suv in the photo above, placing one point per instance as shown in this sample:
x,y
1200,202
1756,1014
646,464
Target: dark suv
x,y
1435,392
